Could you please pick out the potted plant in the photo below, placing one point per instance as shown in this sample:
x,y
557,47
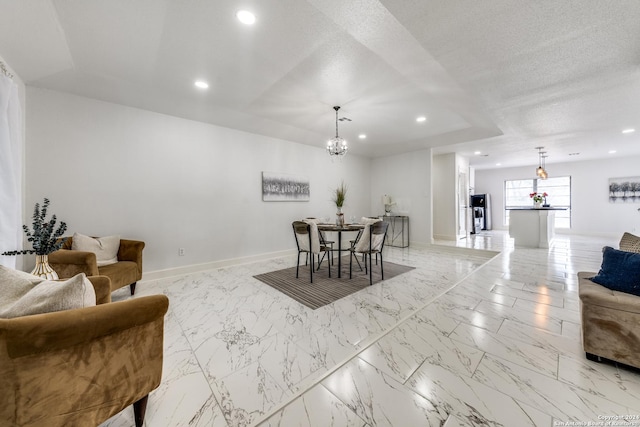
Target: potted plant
x,y
339,195
44,240
388,204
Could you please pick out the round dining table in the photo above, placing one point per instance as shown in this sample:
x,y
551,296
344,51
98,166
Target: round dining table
x,y
340,229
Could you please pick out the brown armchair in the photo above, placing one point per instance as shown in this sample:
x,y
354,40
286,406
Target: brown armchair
x,y
80,367
127,271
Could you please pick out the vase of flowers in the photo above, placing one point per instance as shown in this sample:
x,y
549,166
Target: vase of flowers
x,y
339,195
44,240
538,198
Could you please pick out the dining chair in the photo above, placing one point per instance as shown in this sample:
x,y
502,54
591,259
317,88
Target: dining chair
x,y
371,242
308,241
323,241
352,244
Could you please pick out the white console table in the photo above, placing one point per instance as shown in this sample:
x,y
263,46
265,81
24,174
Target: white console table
x,y
532,227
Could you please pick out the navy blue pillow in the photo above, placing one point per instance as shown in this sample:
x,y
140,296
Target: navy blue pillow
x,y
620,271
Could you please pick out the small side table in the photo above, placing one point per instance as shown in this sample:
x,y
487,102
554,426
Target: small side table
x,y
398,232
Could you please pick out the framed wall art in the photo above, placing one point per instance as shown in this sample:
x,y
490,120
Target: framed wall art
x,y
624,190
281,187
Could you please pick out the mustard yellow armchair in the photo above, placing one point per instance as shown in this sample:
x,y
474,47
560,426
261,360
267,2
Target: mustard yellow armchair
x,y
127,271
80,367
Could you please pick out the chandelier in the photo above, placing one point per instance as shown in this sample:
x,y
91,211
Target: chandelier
x,y
541,172
337,146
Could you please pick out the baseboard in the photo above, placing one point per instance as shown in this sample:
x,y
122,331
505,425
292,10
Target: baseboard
x,y
448,237
195,268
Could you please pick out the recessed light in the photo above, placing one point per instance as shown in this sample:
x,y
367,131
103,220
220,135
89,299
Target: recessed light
x,y
628,131
246,17
201,84
421,119
477,153
612,151
498,164
574,154
362,136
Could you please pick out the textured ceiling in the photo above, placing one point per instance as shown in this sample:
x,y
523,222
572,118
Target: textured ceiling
x,y
500,77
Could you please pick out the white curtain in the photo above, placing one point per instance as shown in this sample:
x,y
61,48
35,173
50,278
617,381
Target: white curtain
x,y
10,170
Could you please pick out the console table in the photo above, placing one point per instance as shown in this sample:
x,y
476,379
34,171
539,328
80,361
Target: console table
x,y
398,232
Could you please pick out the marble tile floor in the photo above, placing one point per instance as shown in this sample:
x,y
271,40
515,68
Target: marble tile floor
x,y
479,334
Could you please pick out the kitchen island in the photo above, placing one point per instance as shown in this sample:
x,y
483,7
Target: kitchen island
x,y
532,227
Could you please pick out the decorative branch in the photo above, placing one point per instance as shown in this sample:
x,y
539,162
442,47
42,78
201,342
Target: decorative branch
x,y
339,195
43,238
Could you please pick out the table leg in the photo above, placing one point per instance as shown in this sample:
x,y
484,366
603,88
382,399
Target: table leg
x,y
339,254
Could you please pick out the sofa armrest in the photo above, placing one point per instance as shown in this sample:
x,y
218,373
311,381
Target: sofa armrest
x,y
42,333
80,367
594,294
68,263
131,250
102,286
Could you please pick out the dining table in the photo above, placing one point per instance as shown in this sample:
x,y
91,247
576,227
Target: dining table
x,y
340,229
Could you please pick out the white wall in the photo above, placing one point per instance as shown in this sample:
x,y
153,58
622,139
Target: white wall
x,y
592,213
407,179
445,224
13,261
174,183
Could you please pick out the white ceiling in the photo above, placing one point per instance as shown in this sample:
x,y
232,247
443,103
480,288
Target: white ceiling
x,y
500,76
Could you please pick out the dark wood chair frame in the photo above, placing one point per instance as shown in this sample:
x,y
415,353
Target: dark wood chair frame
x,y
301,228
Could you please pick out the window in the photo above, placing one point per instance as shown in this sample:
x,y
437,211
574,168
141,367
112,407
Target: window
x,y
516,195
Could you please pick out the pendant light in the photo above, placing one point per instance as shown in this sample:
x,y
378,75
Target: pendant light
x,y
540,170
337,147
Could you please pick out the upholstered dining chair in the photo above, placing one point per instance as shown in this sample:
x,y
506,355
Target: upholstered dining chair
x,y
323,241
308,242
371,242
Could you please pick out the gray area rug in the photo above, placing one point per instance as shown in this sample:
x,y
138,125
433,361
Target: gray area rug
x,y
325,290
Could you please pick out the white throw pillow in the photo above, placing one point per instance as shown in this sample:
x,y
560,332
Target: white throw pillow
x,y
303,239
25,297
105,248
363,242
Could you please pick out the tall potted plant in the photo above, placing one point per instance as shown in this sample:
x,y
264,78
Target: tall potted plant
x,y
339,195
44,240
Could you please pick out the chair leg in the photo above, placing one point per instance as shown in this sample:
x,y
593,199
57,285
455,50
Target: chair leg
x,y
139,409
298,265
329,265
370,270
132,287
381,266
321,260
351,264
311,266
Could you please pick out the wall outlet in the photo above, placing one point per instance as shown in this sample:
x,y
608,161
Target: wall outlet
x,y
181,252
